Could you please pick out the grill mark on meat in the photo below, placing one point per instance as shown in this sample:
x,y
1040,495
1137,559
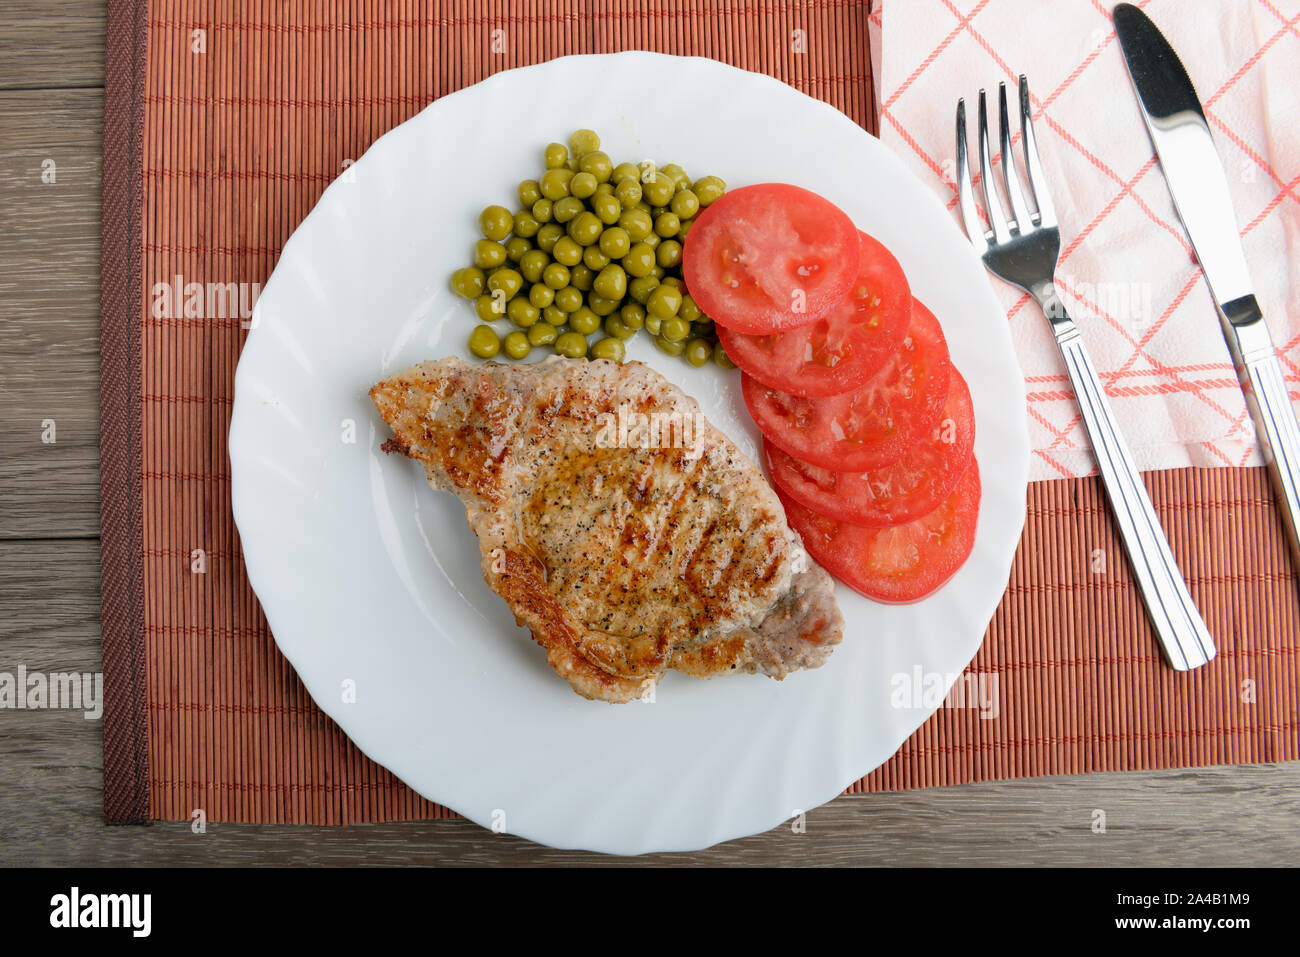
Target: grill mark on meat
x,y
622,562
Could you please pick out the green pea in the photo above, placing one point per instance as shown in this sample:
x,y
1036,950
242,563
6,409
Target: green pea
x,y
567,252
610,348
484,342
658,191
686,228
543,210
612,282
584,321
522,312
640,259
583,184
581,277
488,255
673,348
625,171
568,299
677,175
554,315
607,208
658,272
675,328
669,253
636,223
704,327
641,288
653,324
554,183
572,345
600,305
667,225
708,190
529,192
584,229
698,352
684,204
526,224
583,141
615,242
496,222
516,247
567,209
653,240
664,302
556,275
517,346
633,315
593,258
532,263
628,193
506,281
721,358
604,189
556,156
598,164
675,283
468,282
541,334
489,308
541,295
548,235
616,327
688,310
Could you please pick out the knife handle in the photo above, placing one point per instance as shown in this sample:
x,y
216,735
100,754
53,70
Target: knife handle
x,y
1174,618
1279,438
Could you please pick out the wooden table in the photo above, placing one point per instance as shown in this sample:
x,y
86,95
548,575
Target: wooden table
x,y
51,104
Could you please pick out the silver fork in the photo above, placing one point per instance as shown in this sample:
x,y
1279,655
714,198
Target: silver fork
x,y
1023,251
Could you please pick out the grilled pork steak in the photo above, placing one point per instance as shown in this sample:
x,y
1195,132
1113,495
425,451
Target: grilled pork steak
x,y
627,551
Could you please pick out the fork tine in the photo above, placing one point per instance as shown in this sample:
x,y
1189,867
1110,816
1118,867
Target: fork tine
x,y
1010,180
992,202
965,191
1033,166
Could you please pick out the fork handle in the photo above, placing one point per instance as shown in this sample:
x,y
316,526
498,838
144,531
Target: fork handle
x,y
1177,623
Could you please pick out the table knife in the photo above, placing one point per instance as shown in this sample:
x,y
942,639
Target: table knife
x,y
1195,175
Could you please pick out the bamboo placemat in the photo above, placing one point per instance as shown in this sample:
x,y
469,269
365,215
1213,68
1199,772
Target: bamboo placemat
x,y
225,122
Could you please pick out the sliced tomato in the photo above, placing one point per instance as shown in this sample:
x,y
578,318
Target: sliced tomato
x,y
875,424
770,257
914,485
899,563
844,348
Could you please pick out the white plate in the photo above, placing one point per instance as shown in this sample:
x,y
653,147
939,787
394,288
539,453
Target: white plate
x,y
371,580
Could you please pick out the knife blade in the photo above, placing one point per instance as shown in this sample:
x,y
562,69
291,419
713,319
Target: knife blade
x,y
1190,162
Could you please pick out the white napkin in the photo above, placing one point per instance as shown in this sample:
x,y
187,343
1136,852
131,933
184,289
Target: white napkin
x,y
1127,273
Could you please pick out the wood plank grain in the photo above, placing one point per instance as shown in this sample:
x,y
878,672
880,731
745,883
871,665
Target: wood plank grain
x,y
50,806
49,309
51,44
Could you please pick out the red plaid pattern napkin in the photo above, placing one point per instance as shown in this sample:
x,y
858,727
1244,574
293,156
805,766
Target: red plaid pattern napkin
x,y
1127,272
